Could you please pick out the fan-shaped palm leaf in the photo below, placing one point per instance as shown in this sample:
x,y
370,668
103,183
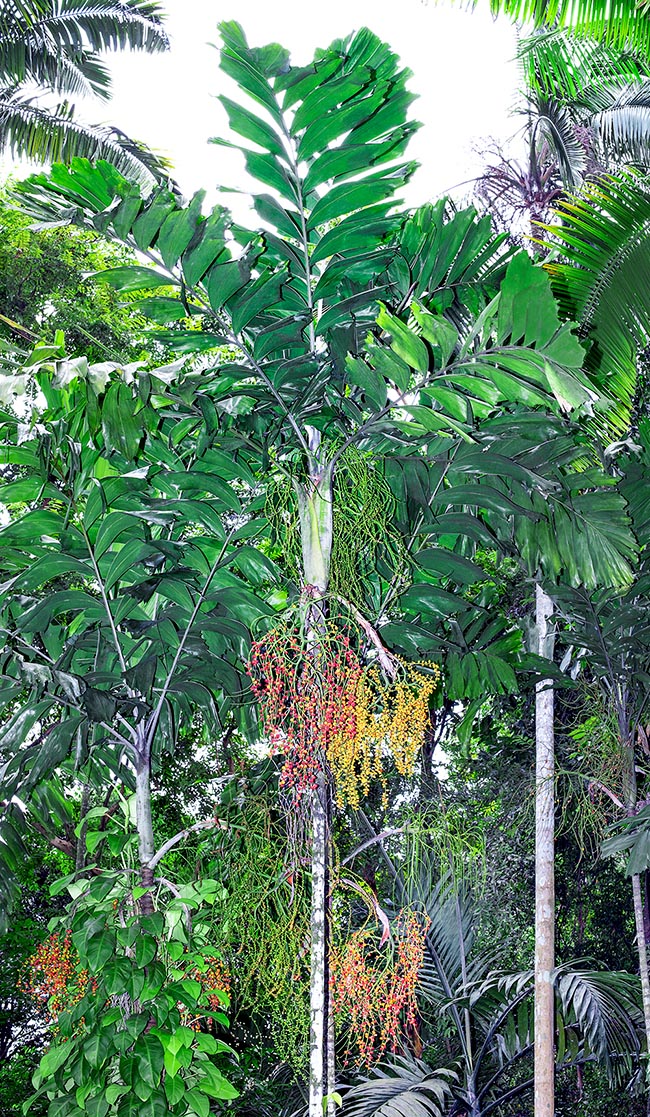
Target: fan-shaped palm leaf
x,y
603,278
405,1088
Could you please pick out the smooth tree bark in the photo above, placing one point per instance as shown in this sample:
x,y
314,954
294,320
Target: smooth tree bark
x,y
642,951
144,826
544,1104
316,527
630,790
318,991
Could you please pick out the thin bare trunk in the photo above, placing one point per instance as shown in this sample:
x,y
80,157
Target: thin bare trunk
x,y
544,870
144,824
637,895
315,508
317,984
643,952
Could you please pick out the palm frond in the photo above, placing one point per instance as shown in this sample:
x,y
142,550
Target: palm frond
x,y
605,1006
401,1088
554,122
85,77
602,279
54,43
622,121
624,27
559,66
75,25
33,132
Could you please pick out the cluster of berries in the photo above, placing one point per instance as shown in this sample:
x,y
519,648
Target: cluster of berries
x,y
213,980
306,696
323,707
54,979
377,996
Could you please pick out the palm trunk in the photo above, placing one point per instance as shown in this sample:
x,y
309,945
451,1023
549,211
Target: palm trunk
x,y
637,896
642,951
315,508
317,985
544,870
144,824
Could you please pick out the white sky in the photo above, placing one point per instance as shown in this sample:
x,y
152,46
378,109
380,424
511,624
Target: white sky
x,y
463,66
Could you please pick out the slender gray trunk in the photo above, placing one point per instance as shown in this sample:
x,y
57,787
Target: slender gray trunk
x,y
637,896
643,953
315,509
318,1009
331,1052
144,825
544,870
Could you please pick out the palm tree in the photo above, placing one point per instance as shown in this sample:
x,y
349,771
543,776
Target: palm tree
x,y
623,28
587,114
488,1020
53,47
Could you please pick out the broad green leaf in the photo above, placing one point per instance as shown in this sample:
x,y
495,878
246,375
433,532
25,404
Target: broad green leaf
x,y
124,560
96,1049
198,1102
148,1053
438,331
147,224
145,950
174,1089
116,974
213,1083
223,280
112,527
55,1058
99,949
178,230
252,127
122,432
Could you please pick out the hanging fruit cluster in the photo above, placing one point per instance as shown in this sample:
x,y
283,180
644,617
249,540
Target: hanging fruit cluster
x,y
375,996
54,979
214,979
386,718
322,706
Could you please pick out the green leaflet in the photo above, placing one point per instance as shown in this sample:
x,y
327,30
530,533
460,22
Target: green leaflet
x,y
132,277
403,341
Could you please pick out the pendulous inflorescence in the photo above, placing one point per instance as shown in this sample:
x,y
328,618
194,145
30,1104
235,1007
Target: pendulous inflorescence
x,y
324,708
375,995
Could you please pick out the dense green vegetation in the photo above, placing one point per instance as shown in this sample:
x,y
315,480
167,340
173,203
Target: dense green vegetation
x,y
324,683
